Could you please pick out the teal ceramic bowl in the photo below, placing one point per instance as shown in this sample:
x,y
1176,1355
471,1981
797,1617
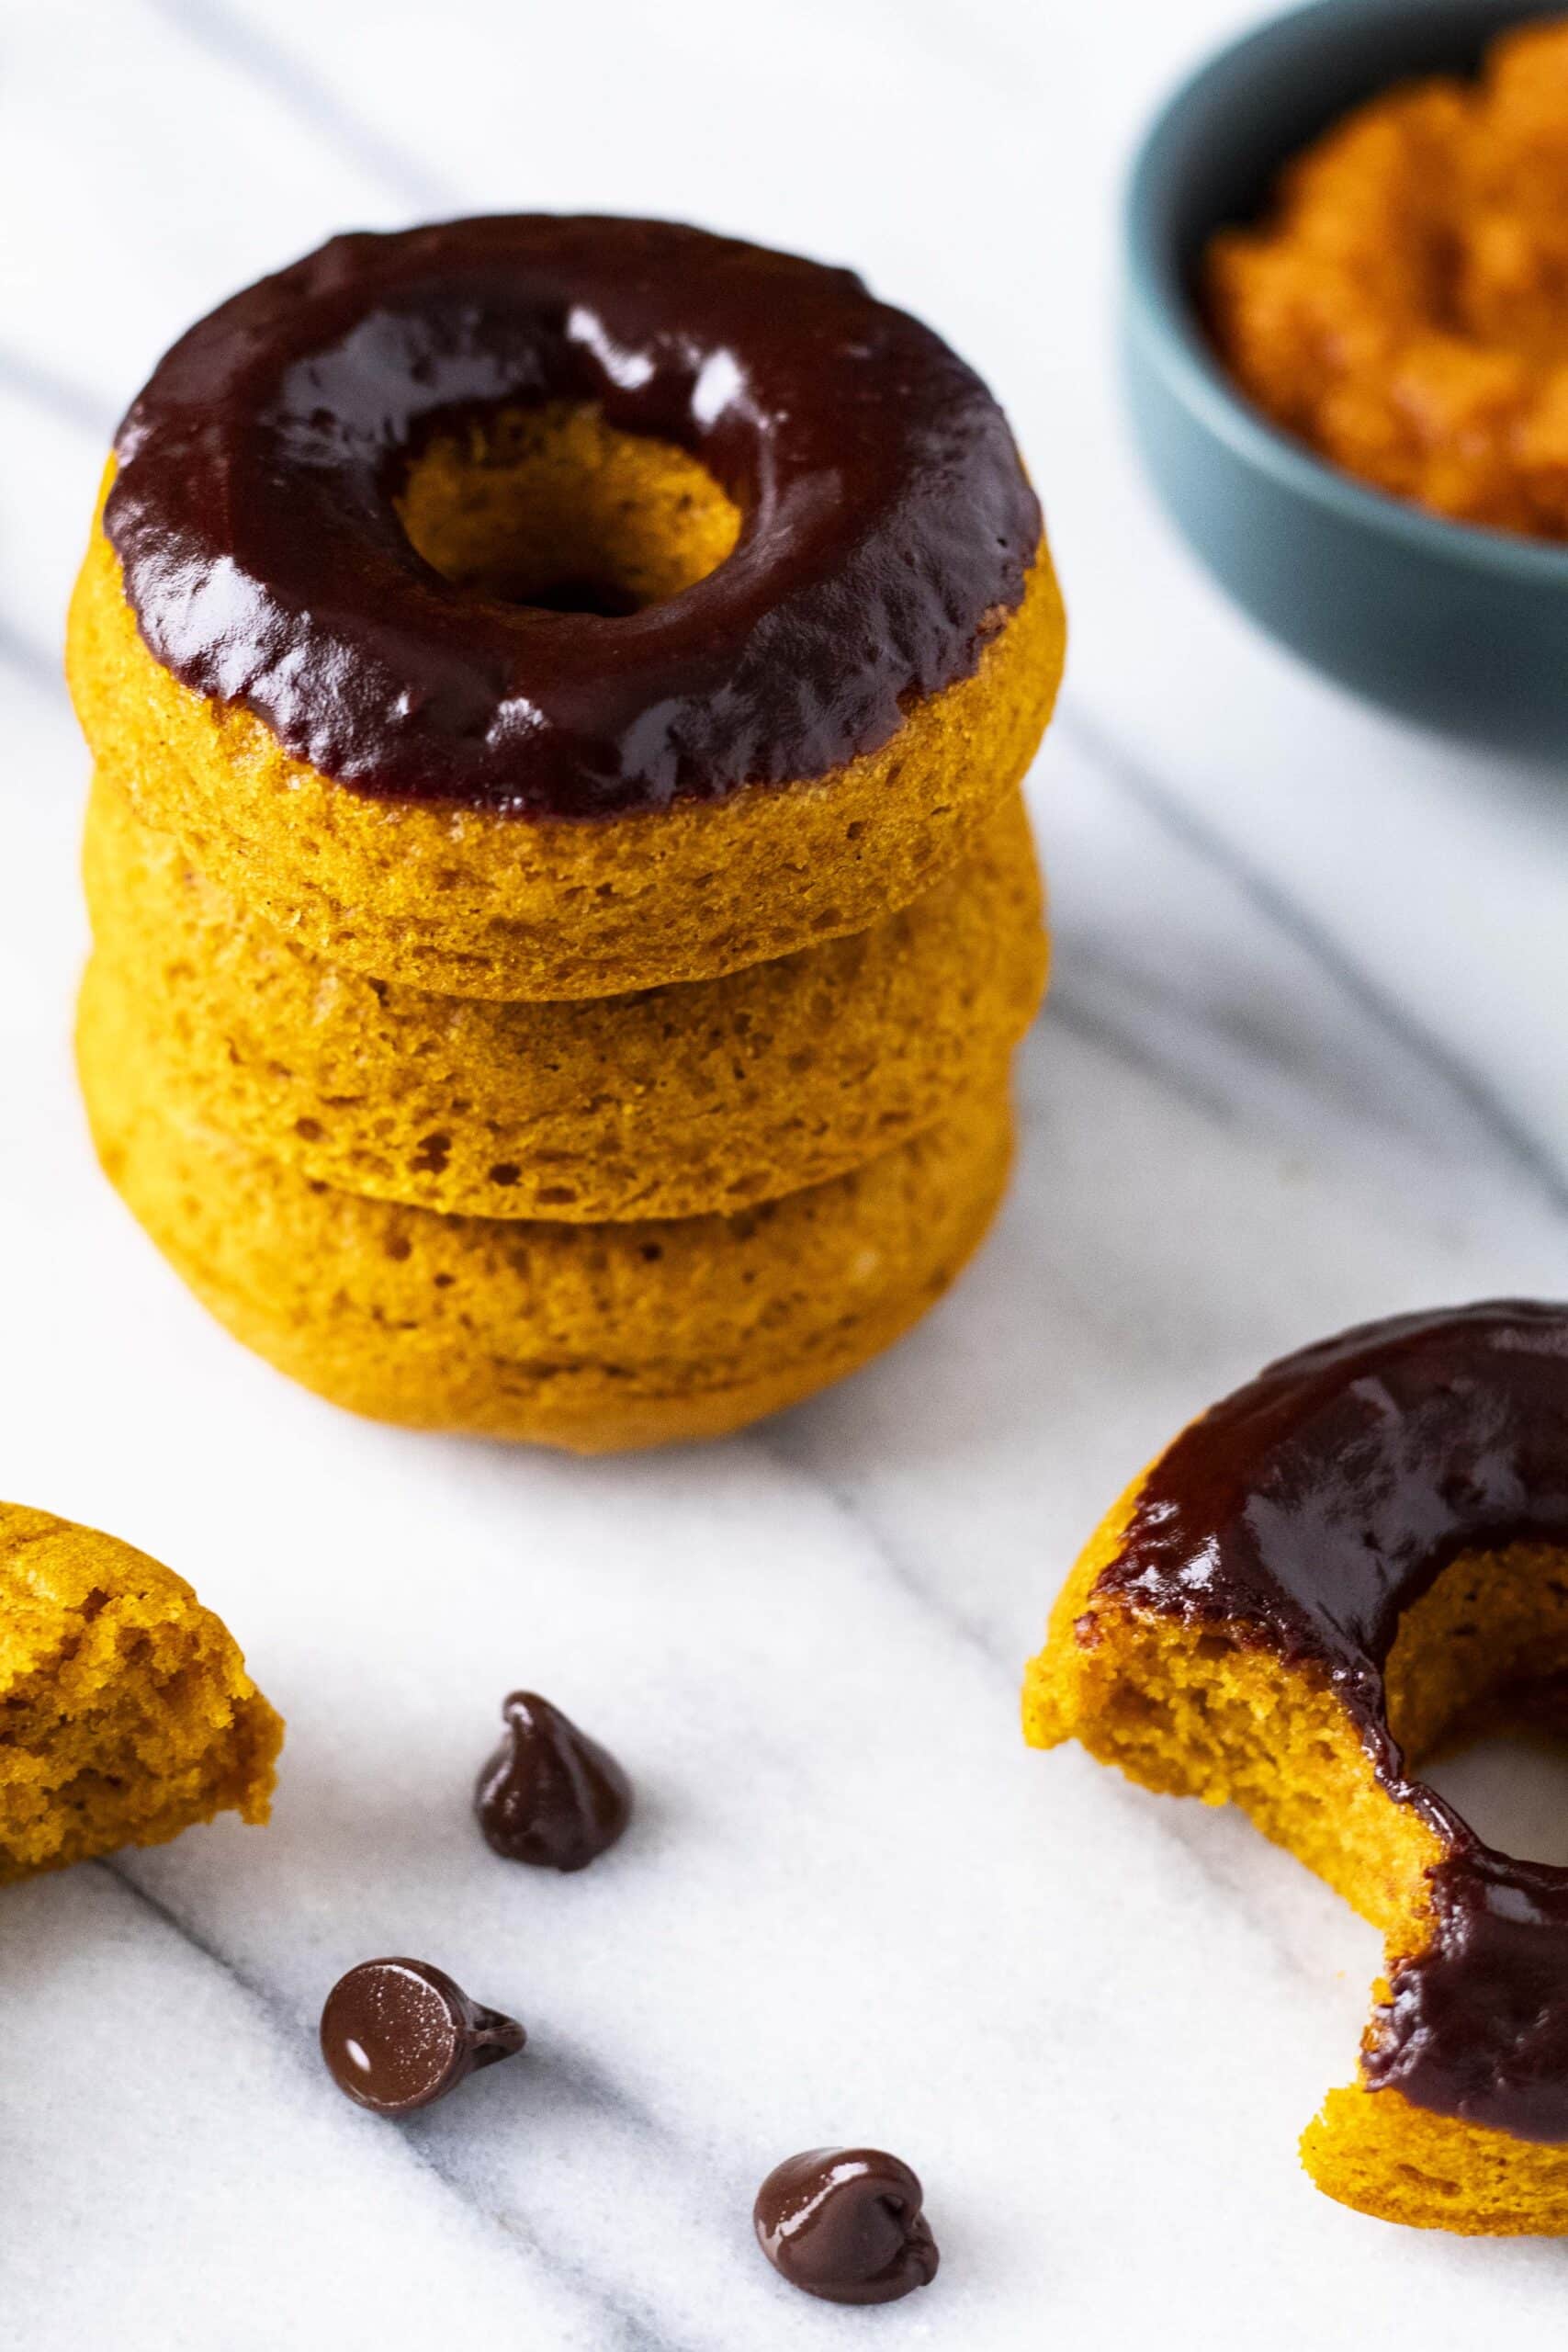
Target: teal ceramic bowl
x,y
1464,628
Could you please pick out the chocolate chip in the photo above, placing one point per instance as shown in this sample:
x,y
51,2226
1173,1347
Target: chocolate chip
x,y
398,2033
549,1794
845,2223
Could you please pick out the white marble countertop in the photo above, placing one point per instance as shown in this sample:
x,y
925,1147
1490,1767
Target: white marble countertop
x,y
1302,1064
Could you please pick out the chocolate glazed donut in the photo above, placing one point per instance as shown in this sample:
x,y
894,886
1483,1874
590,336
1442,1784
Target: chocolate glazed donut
x,y
1381,1523
888,525
557,788
1309,1513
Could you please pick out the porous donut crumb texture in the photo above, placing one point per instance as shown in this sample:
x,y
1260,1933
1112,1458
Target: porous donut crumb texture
x,y
126,1712
1192,1710
706,1096
470,902
592,1337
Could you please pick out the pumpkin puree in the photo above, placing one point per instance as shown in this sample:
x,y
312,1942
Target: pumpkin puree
x,y
1403,307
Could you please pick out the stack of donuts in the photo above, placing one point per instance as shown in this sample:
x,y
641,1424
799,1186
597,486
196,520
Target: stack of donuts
x,y
562,903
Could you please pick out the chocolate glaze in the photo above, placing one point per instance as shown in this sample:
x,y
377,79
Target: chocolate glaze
x,y
1305,1514
887,530
398,2033
550,1795
846,2224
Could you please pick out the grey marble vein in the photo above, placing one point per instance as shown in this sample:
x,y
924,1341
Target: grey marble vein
x,y
587,2083
1175,1822
30,663
1073,1009
633,2331
1524,1151
69,403
786,1443
280,72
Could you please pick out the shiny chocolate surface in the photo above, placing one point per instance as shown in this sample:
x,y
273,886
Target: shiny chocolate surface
x,y
398,2034
1304,1515
887,522
549,1795
845,2224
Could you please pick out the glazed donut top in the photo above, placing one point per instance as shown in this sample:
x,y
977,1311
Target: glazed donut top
x,y
887,522
1305,1514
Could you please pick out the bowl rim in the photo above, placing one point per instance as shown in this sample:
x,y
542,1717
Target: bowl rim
x,y
1160,301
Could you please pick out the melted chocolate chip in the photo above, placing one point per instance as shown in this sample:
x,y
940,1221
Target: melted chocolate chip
x,y
550,1795
398,2033
1304,1515
846,2224
888,522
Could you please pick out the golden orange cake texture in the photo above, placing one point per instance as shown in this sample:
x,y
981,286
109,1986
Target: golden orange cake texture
x,y
679,1101
1319,1582
126,1712
470,903
595,1131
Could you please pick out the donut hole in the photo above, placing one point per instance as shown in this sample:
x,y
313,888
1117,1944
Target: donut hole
x,y
553,508
1478,1696
1511,1785
1486,1644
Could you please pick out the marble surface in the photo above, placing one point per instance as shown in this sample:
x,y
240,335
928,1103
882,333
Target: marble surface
x,y
1302,1064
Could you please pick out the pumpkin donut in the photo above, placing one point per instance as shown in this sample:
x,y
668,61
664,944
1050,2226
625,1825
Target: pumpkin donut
x,y
705,1096
126,1712
550,607
1335,1566
590,1337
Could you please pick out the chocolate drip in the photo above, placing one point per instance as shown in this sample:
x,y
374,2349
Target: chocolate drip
x,y
1477,2026
1306,1514
888,525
